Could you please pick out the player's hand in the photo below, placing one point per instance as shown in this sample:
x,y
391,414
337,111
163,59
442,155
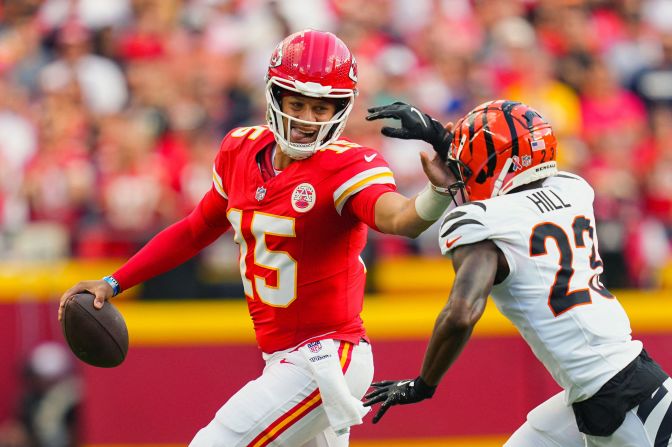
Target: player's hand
x,y
401,392
438,171
415,125
100,288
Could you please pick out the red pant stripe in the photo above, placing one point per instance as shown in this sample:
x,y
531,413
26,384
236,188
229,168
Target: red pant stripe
x,y
287,420
314,400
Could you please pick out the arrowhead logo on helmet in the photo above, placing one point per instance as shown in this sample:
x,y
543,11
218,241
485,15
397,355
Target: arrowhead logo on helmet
x,y
276,59
352,74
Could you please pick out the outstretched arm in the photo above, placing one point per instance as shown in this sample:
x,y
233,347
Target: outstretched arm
x,y
397,214
476,267
168,249
177,243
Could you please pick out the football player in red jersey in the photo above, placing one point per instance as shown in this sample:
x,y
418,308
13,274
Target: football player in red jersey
x,y
299,199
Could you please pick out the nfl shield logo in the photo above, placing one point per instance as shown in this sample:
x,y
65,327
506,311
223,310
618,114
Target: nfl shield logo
x,y
314,346
260,194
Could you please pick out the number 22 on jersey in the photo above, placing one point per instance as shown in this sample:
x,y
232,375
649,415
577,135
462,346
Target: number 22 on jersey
x,y
254,240
561,299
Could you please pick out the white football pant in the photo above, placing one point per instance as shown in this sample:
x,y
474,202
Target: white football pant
x,y
552,424
283,406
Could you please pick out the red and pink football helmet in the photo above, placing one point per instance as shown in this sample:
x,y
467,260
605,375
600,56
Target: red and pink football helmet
x,y
316,64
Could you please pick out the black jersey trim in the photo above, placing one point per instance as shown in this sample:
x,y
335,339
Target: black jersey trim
x,y
479,204
459,224
566,176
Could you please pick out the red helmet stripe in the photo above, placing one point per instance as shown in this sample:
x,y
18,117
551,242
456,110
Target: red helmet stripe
x,y
319,50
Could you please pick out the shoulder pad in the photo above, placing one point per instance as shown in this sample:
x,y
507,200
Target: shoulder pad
x,y
466,224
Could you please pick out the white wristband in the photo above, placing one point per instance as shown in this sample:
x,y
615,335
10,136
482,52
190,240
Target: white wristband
x,y
440,189
430,205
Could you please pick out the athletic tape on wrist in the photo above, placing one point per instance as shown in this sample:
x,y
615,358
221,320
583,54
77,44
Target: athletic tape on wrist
x,y
430,205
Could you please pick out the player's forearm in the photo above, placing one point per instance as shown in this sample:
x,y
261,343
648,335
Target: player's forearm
x,y
475,270
171,247
408,223
396,214
449,337
427,206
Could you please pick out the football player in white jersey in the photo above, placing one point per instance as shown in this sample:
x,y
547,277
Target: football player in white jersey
x,y
525,235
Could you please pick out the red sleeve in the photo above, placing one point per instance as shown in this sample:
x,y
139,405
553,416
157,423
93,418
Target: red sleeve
x,y
177,243
363,204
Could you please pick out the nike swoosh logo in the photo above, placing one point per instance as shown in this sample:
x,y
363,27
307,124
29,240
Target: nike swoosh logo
x,y
452,241
422,118
370,158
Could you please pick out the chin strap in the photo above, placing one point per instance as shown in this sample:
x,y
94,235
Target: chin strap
x,y
500,180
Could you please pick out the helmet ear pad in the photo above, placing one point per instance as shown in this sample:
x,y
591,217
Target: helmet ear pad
x,y
315,64
504,144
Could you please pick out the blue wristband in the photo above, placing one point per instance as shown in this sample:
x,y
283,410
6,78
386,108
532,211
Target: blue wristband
x,y
113,283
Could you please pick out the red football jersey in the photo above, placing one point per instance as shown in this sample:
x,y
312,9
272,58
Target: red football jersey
x,y
299,251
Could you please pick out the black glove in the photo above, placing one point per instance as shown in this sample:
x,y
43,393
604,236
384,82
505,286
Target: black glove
x,y
402,392
415,125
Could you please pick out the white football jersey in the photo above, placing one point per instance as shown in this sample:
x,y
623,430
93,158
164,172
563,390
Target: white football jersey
x,y
553,294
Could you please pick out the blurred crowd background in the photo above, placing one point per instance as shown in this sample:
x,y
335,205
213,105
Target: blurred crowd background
x,y
111,111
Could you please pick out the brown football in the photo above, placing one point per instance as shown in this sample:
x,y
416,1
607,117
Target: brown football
x,y
98,337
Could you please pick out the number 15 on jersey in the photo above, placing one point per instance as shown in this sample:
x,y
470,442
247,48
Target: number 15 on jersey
x,y
280,263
